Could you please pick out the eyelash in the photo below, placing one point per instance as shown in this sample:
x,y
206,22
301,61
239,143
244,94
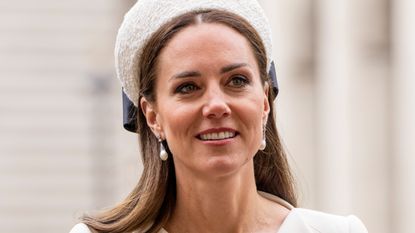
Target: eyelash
x,y
245,81
181,89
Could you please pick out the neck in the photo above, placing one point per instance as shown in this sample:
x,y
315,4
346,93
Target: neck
x,y
226,204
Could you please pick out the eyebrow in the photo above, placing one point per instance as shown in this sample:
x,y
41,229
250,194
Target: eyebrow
x,y
186,74
189,74
231,67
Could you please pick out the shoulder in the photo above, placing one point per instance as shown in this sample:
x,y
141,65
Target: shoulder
x,y
80,228
330,223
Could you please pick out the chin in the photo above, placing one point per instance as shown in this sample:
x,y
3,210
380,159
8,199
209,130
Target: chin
x,y
225,165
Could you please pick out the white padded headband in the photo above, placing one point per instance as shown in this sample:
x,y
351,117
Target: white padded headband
x,y
146,17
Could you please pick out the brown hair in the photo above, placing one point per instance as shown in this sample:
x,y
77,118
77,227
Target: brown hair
x,y
151,203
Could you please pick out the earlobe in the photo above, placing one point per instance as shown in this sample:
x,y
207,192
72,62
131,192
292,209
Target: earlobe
x,y
150,113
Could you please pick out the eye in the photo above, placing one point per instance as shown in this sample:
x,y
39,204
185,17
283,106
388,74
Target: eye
x,y
186,88
238,81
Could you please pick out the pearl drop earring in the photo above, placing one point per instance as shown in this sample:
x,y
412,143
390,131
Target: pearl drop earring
x,y
263,142
163,153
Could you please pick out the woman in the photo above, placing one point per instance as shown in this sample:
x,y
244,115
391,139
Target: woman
x,y
198,73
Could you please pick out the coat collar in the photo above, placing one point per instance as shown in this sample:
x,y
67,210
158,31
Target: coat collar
x,y
293,223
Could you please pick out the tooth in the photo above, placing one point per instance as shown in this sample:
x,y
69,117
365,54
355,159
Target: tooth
x,y
217,136
221,135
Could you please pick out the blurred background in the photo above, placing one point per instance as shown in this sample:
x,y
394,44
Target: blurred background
x,y
346,109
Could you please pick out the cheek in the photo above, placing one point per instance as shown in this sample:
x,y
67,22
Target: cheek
x,y
253,108
176,120
252,115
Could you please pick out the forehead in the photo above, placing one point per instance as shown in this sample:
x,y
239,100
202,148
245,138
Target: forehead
x,y
206,43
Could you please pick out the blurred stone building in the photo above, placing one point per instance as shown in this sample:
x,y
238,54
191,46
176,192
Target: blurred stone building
x,y
345,111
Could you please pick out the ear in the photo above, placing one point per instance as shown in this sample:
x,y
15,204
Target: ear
x,y
151,114
266,103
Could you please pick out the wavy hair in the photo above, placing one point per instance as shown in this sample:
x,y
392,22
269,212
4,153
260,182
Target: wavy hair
x,y
151,203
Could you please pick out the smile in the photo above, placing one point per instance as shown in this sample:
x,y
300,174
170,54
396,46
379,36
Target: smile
x,y
217,135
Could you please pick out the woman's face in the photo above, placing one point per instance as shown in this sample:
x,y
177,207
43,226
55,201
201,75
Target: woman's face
x,y
211,105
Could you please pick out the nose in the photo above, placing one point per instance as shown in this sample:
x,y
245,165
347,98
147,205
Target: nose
x,y
215,105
